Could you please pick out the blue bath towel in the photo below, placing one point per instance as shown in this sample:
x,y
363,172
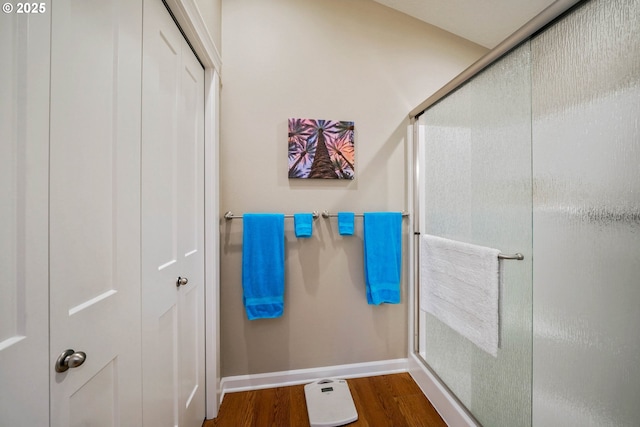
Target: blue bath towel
x,y
345,223
263,265
303,224
383,256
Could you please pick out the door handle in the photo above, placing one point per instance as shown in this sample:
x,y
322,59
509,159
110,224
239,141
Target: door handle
x,y
182,281
70,359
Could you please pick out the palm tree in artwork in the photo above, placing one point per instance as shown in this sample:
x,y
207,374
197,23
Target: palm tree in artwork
x,y
344,130
339,168
341,151
301,148
321,166
321,149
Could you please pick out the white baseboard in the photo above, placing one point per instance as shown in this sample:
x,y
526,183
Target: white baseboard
x,y
451,411
302,376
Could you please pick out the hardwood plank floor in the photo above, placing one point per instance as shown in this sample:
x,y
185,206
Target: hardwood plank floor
x,y
381,401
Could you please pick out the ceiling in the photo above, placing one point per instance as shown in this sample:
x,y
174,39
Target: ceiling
x,y
485,22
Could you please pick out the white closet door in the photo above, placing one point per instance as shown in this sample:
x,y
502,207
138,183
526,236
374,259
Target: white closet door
x,y
24,174
172,225
95,211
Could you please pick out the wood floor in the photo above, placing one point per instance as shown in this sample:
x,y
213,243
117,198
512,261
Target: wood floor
x,y
381,401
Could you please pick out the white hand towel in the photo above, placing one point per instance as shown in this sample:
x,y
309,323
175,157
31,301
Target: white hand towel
x,y
459,284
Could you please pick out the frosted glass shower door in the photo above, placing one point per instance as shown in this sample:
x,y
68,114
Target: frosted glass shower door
x,y
586,151
475,156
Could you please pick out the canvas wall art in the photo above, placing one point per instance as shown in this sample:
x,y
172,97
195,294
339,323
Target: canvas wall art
x,y
321,149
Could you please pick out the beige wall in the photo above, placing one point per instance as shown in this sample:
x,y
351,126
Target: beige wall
x,y
330,59
211,11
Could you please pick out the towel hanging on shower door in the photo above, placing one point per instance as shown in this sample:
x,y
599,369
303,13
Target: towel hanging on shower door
x,y
459,285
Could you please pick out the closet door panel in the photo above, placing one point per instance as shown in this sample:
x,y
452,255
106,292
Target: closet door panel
x,y
24,173
172,225
160,209
191,196
94,211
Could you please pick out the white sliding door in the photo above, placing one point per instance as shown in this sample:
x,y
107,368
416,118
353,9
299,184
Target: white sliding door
x,y
173,225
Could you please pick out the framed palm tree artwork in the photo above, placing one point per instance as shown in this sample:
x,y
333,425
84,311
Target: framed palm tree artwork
x,y
321,149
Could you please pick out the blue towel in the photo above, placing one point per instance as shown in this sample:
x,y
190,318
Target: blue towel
x,y
263,265
303,224
345,223
382,256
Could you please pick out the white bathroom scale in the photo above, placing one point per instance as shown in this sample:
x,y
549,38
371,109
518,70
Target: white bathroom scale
x,y
329,403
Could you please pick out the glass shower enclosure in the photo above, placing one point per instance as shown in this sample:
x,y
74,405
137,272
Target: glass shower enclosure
x,y
540,154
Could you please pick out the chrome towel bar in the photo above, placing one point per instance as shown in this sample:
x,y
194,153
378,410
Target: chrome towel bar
x,y
326,214
230,215
517,256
